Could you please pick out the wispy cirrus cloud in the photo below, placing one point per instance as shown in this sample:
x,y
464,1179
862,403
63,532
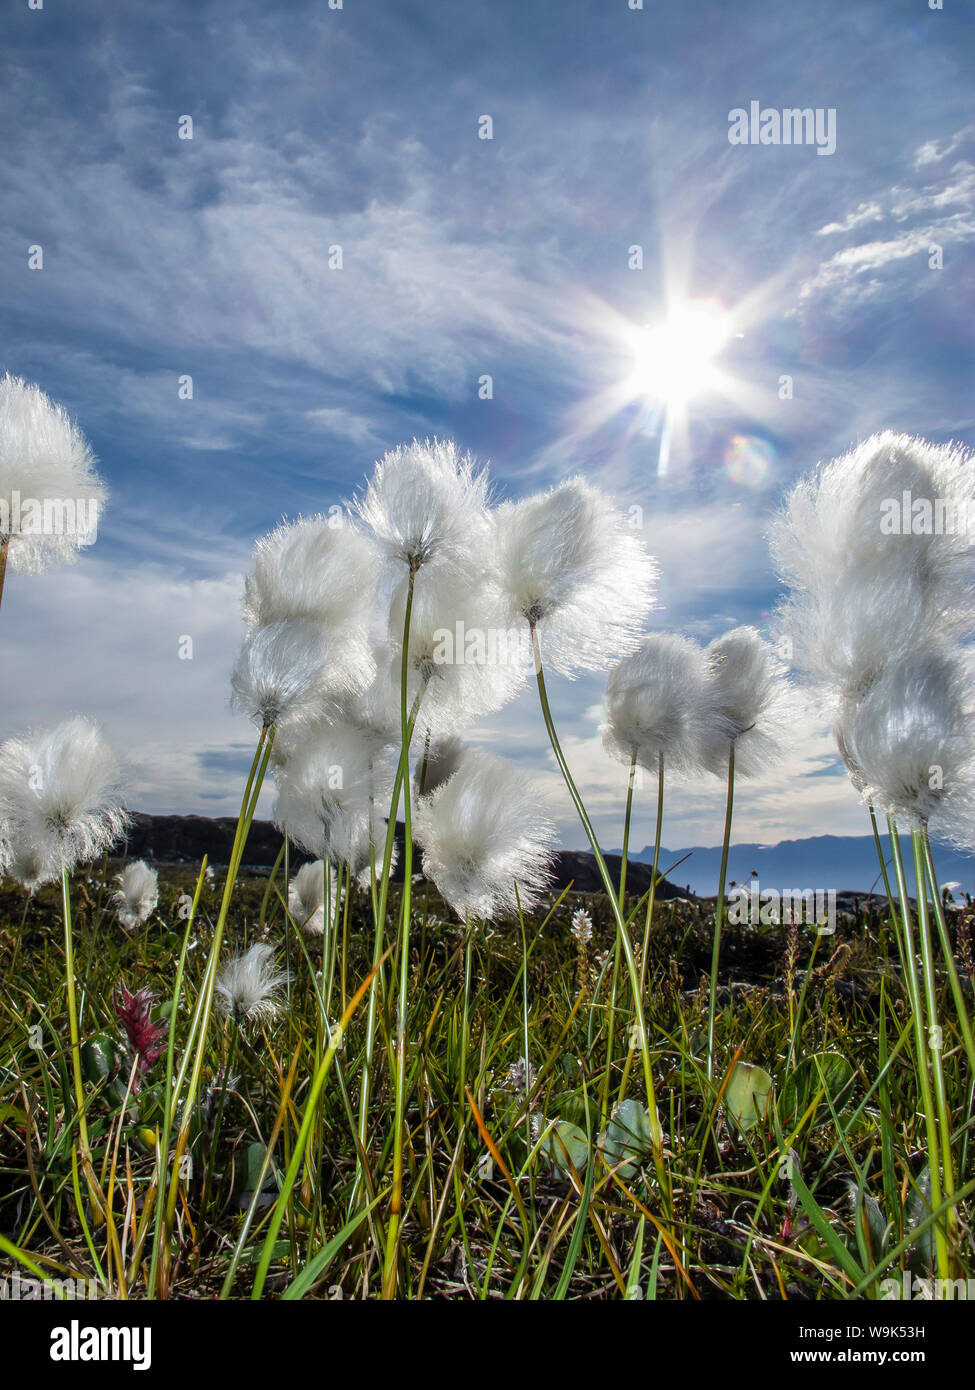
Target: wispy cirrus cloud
x,y
460,259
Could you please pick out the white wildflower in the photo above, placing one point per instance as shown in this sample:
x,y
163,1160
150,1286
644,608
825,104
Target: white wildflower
x,y
463,661
59,802
910,742
333,790
483,831
568,566
313,571
292,670
306,896
45,463
581,927
426,503
875,550
137,895
747,703
247,987
655,704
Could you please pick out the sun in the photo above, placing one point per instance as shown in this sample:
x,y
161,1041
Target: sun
x,y
674,360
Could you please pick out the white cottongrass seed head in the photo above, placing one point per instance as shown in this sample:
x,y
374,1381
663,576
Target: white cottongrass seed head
x,y
59,800
293,670
909,743
747,703
568,565
333,791
463,661
842,635
306,896
137,895
311,569
248,985
874,549
483,831
426,503
44,460
655,704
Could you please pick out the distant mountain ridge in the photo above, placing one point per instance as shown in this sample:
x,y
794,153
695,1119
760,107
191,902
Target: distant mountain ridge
x,y
186,839
846,863
842,862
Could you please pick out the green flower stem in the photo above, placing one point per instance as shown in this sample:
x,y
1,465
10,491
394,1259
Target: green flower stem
x,y
719,909
162,1147
957,994
394,1224
626,829
656,1132
465,1012
935,1034
653,872
891,909
380,901
79,1093
270,882
921,1048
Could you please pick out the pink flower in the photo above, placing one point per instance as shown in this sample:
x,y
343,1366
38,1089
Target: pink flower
x,y
147,1039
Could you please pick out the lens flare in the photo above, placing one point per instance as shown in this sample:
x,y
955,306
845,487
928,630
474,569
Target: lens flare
x,y
750,461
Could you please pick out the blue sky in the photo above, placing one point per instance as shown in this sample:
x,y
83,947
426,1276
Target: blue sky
x,y
461,257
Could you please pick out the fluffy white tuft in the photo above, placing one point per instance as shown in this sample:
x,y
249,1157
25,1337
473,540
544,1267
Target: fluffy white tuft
x,y
464,662
59,801
567,564
426,503
333,791
655,704
842,636
292,670
482,832
747,703
864,587
314,571
247,987
909,743
306,897
44,458
137,895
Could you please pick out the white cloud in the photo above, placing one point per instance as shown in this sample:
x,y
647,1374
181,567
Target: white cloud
x,y
346,424
866,212
101,640
941,212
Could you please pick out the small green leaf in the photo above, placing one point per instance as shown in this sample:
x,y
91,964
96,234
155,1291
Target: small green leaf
x,y
627,1138
564,1145
746,1095
98,1058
